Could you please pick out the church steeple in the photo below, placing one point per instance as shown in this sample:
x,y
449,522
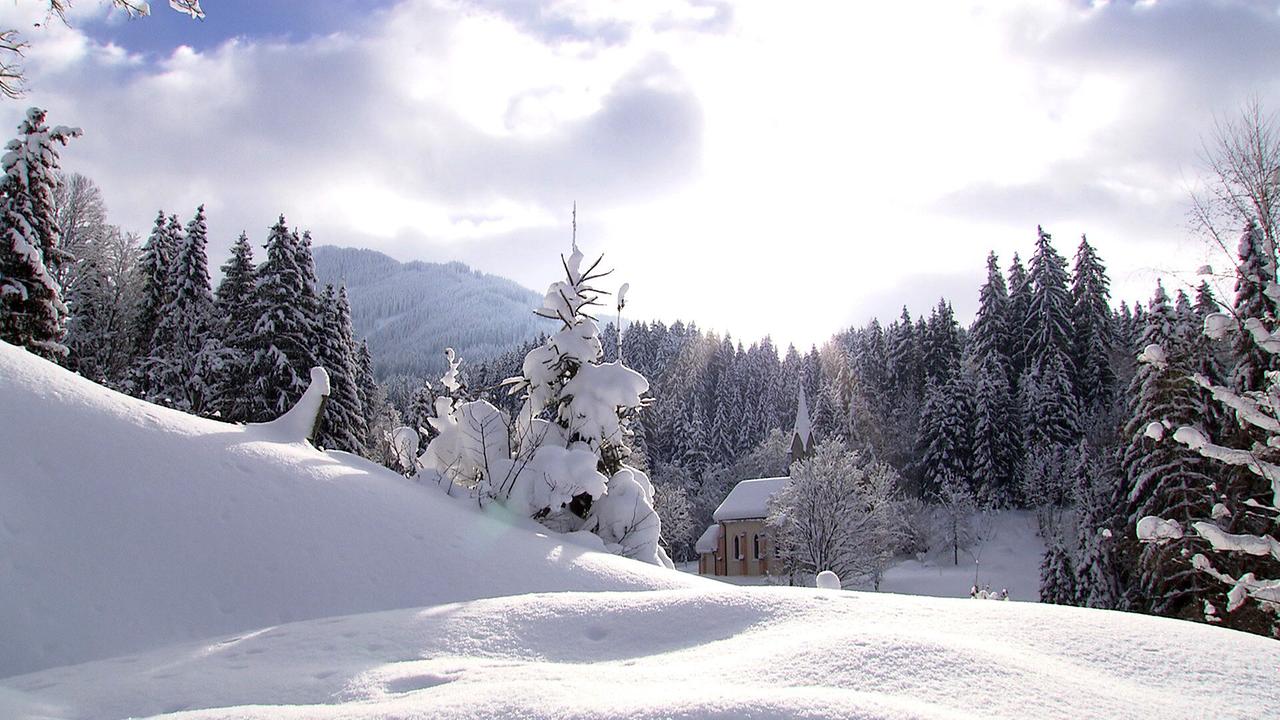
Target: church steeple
x,y
802,436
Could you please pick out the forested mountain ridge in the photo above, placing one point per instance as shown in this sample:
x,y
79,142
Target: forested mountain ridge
x,y
409,312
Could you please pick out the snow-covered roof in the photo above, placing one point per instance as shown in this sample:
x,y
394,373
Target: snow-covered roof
x,y
709,541
749,499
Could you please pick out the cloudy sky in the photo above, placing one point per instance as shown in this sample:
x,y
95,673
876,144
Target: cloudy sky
x,y
763,167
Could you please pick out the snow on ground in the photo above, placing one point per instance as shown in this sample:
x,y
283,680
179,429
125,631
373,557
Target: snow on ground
x,y
126,526
1008,557
168,556
720,653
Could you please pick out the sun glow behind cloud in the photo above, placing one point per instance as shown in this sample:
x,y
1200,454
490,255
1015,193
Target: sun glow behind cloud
x,y
759,167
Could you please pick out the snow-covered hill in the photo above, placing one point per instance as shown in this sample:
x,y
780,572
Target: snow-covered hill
x,y
179,551
410,311
126,526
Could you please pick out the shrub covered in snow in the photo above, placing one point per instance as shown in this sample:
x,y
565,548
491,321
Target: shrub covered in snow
x,y
561,459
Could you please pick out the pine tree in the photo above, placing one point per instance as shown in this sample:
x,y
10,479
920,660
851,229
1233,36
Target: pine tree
x,y
1092,333
1050,415
186,354
1100,525
1257,265
282,355
989,337
905,373
996,435
1048,322
1057,575
32,313
1019,314
945,422
1162,478
941,345
344,427
156,265
234,305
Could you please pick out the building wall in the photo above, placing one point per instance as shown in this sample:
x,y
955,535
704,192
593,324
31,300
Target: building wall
x,y
725,563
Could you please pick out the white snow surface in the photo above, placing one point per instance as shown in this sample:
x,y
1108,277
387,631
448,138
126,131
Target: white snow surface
x,y
725,653
709,540
126,526
749,499
213,572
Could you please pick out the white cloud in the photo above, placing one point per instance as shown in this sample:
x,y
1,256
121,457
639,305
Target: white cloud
x,y
759,167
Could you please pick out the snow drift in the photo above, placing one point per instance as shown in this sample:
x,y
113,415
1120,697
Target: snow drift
x,y
758,653
126,526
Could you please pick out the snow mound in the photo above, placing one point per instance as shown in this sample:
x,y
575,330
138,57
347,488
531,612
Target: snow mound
x,y
126,526
759,653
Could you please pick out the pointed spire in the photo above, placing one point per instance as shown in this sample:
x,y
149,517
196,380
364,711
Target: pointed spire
x,y
802,438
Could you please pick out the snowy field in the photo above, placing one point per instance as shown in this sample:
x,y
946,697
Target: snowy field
x,y
154,564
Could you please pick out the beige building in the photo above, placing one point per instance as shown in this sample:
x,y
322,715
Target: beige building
x,y
739,543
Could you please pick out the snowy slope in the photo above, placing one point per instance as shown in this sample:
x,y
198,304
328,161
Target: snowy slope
x,y
126,526
758,653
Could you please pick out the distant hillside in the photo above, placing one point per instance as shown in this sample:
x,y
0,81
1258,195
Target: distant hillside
x,y
410,312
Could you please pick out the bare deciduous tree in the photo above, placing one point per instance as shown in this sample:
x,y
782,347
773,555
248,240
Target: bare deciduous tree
x,y
1242,158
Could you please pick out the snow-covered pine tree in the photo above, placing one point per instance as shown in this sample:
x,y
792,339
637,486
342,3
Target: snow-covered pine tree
x,y
945,441
156,265
1257,264
997,442
1048,323
1057,574
989,336
1092,336
186,355
1050,415
1163,479
561,460
1018,318
282,330
1099,528
906,375
344,425
942,345
234,306
32,313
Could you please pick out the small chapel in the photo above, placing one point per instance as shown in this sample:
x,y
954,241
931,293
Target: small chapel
x,y
739,543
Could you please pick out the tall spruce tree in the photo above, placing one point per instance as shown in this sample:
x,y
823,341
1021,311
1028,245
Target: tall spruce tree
x,y
344,426
186,352
282,354
1092,333
1019,312
1256,266
941,343
1164,479
1048,322
997,444
32,313
989,336
234,305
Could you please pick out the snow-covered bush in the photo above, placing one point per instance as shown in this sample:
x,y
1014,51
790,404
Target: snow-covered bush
x,y
561,459
838,513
